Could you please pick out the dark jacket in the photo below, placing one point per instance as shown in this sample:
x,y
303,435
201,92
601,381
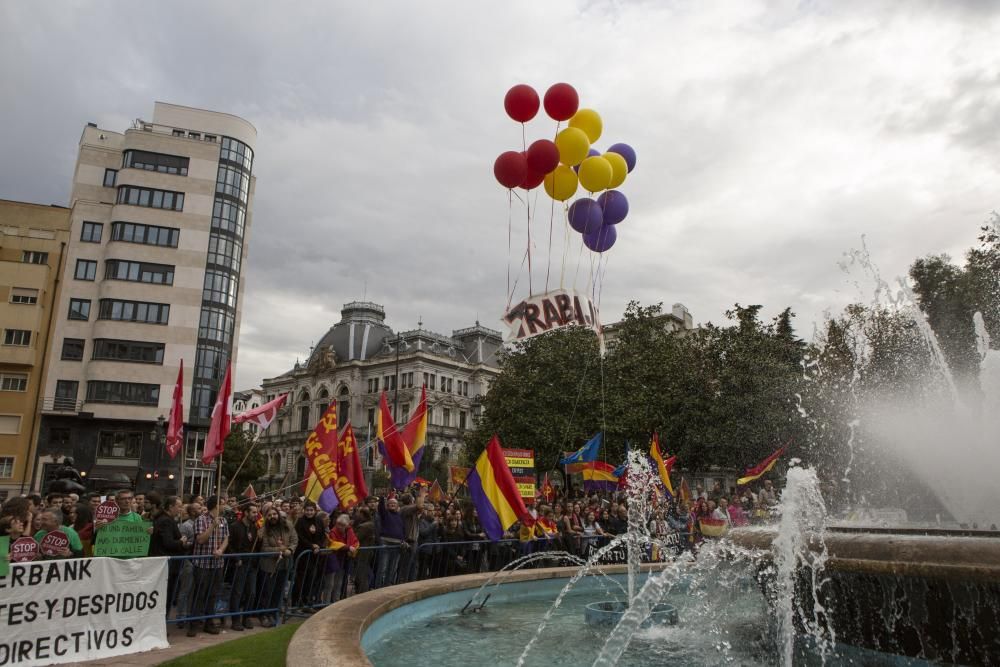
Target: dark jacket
x,y
365,532
309,538
166,537
243,539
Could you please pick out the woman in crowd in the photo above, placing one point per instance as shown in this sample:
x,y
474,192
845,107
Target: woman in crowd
x,y
591,532
344,544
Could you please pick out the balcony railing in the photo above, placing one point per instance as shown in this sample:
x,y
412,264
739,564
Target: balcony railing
x,y
57,404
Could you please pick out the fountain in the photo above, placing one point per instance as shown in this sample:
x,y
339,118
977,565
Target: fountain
x,y
814,589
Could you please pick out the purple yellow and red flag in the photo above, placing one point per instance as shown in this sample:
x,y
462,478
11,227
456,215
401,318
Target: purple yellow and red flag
x,y
599,476
663,464
409,440
494,493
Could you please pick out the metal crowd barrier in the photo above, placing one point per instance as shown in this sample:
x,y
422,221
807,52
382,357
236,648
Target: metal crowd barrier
x,y
267,586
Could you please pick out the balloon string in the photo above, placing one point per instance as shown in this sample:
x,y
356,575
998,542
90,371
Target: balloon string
x,y
566,242
516,281
548,264
510,214
527,205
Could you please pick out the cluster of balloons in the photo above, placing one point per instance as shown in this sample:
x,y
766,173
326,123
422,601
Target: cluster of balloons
x,y
564,165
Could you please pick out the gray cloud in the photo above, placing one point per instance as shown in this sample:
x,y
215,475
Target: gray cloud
x,y
771,136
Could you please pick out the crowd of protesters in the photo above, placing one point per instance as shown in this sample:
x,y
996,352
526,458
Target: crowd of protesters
x,y
239,555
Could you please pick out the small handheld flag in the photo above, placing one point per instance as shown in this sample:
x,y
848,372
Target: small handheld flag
x,y
663,465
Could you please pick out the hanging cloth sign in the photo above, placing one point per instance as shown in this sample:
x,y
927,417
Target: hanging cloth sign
x,y
541,313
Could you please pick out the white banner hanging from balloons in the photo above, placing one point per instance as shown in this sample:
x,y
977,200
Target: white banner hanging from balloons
x,y
542,313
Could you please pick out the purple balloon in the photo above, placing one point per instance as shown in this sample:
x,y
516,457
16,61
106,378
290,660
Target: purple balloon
x,y
590,153
626,152
602,239
585,216
615,206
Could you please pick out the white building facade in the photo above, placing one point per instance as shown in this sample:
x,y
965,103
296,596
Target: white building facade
x,y
358,359
154,274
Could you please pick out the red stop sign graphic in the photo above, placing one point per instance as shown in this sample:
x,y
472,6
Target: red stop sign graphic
x,y
23,549
107,511
53,543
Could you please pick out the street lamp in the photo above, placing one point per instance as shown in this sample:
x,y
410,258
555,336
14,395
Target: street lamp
x,y
159,438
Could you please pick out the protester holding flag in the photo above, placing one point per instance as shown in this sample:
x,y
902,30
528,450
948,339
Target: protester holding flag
x,y
399,533
344,544
279,538
244,539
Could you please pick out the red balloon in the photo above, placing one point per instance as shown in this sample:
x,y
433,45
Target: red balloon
x,y
521,103
510,169
561,101
533,179
543,156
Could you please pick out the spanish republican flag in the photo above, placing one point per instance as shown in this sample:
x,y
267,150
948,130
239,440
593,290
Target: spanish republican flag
x,y
761,468
338,540
599,475
390,439
494,493
712,527
663,465
412,436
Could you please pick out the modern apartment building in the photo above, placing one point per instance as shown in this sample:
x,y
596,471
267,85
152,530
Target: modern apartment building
x,y
154,274
359,358
33,242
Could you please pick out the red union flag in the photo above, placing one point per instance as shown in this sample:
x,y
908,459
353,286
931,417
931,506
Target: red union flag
x,y
551,310
222,416
262,416
175,423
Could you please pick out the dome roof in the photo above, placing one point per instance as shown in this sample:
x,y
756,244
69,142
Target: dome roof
x,y
358,335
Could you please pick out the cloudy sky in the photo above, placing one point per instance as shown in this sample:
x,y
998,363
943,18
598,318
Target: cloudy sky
x,y
771,136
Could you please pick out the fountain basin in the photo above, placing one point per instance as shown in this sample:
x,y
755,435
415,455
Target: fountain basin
x,y
609,613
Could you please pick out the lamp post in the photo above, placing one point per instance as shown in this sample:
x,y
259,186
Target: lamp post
x,y
159,437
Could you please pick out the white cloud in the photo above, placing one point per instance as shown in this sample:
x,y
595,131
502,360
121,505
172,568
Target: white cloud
x,y
771,136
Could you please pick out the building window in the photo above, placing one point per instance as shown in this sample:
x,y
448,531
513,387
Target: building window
x,y
79,309
433,380
220,288
463,420
229,216
211,137
140,352
237,152
133,232
233,182
19,337
225,252
372,385
110,178
10,424
24,295
34,257
165,164
445,417
72,349
86,269
150,198
304,418
140,272
451,385
13,382
371,418
178,133
119,444
134,311
66,392
210,363
129,393
6,467
91,232
406,410
216,324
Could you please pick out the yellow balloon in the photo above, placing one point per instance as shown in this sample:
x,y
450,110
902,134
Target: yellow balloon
x,y
573,146
561,183
619,169
595,173
590,122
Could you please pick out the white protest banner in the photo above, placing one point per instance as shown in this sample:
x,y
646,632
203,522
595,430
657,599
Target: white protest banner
x,y
59,611
544,312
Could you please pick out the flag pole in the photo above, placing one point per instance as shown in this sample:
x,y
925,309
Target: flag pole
x,y
250,449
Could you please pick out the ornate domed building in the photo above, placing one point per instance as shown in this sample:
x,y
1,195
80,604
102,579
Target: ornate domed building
x,y
361,356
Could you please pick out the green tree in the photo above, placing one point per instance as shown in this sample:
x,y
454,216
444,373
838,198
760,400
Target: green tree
x,y
237,445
